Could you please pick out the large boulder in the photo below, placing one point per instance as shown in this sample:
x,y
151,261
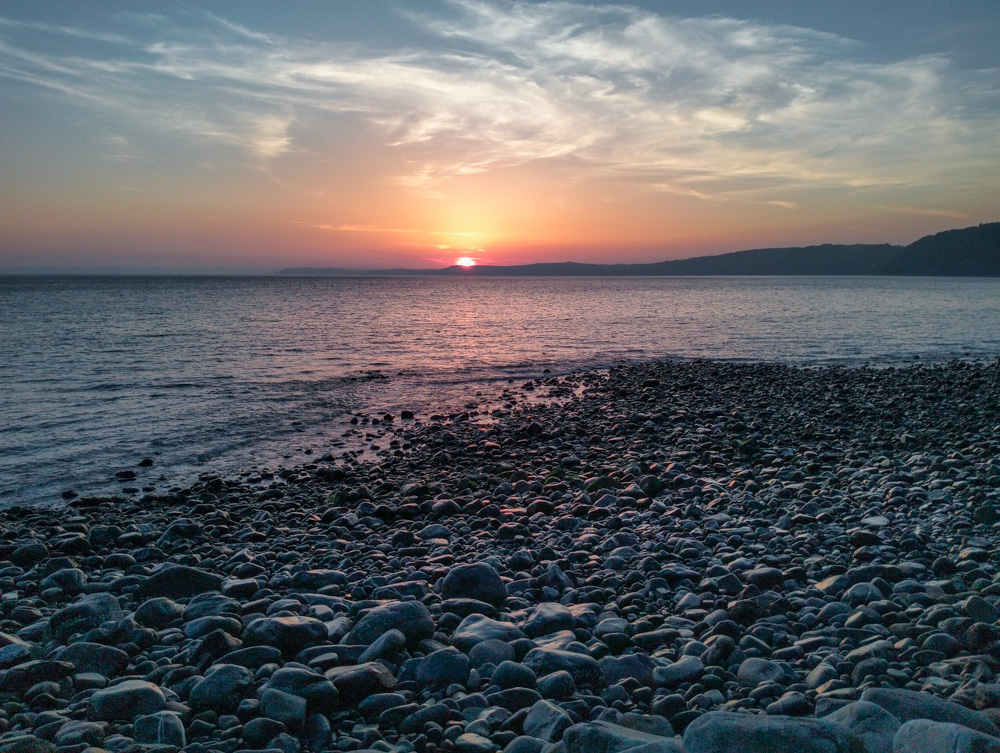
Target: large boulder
x,y
872,724
907,705
728,732
477,581
925,736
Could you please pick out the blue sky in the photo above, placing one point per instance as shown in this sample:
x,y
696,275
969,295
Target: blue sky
x,y
240,136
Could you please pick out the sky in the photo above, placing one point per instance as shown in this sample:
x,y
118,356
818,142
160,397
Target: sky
x,y
236,136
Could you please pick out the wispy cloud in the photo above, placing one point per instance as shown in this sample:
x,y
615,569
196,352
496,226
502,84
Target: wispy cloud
x,y
926,212
692,106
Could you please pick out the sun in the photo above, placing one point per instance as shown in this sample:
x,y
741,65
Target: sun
x,y
465,261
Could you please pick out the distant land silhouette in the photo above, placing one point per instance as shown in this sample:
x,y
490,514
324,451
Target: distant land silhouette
x,y
970,252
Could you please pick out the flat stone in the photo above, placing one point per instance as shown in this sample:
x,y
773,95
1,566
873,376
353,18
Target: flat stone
x,y
161,728
728,732
288,634
548,618
95,657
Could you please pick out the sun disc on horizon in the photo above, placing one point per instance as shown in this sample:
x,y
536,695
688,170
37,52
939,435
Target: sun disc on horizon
x,y
465,261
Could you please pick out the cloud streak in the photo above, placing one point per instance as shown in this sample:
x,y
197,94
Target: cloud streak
x,y
704,107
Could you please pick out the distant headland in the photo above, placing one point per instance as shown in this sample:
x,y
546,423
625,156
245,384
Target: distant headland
x,y
969,252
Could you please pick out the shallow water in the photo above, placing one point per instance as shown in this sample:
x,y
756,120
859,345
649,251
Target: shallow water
x,y
223,373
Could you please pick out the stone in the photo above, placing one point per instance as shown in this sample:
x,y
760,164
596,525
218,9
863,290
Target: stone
x,y
548,618
925,736
21,677
907,705
469,742
95,657
178,582
727,732
319,693
476,628
754,671
86,613
158,613
442,668
223,687
288,634
583,668
525,744
512,674
872,724
286,708
389,643
476,581
125,701
637,666
355,683
26,744
161,728
81,733
411,618
687,669
259,731
546,721
605,737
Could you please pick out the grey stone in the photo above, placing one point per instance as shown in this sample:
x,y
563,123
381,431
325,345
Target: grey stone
x,y
872,724
442,668
476,581
605,737
548,618
161,728
288,634
546,721
411,618
125,701
223,687
476,628
84,614
727,732
907,705
95,657
158,613
754,671
925,736
178,582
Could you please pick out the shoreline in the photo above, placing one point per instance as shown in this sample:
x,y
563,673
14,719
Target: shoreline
x,y
670,543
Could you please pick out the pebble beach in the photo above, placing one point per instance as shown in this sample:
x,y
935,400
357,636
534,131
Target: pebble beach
x,y
673,556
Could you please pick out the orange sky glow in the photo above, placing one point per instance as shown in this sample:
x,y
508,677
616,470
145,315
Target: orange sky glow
x,y
235,140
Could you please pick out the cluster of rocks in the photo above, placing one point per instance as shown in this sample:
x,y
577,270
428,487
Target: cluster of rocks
x,y
699,557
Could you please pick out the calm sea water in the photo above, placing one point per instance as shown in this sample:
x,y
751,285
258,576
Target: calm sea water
x,y
224,373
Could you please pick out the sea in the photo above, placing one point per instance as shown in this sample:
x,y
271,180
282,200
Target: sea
x,y
222,374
